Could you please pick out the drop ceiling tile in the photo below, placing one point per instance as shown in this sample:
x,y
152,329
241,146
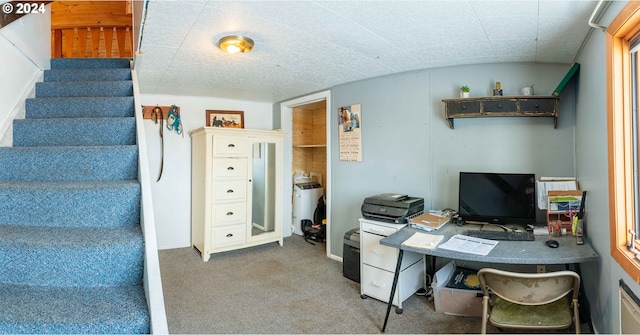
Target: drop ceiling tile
x,y
150,76
156,57
505,9
417,38
511,27
313,25
555,30
461,50
517,48
557,51
440,12
567,9
347,40
168,22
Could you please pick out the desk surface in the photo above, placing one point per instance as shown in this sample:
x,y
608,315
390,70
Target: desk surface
x,y
506,252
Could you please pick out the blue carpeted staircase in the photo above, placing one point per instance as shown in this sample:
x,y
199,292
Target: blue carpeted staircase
x,y
71,246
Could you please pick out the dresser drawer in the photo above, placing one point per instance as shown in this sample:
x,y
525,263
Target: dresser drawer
x,y
379,229
499,106
229,167
376,283
538,106
229,146
226,236
381,256
230,190
224,215
463,108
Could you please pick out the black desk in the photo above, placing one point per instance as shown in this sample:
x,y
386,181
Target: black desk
x,y
506,252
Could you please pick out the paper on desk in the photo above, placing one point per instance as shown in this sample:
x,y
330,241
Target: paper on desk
x,y
422,240
468,244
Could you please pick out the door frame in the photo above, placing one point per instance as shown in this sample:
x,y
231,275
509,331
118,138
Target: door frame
x,y
286,123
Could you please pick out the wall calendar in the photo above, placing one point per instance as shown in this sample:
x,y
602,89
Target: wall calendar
x,y
349,130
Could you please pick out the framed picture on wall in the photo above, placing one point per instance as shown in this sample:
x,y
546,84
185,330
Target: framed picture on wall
x,y
225,119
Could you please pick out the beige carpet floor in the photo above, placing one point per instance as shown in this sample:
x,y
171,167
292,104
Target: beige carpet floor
x,y
293,289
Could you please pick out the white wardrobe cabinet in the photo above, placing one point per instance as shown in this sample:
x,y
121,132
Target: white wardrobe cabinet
x,y
236,188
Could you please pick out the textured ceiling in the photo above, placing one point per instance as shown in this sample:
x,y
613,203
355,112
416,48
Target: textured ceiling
x,y
305,46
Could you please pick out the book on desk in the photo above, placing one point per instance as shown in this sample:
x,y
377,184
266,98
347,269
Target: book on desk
x,y
421,240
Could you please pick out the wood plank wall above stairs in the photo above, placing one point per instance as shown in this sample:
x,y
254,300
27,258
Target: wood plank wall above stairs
x,y
96,29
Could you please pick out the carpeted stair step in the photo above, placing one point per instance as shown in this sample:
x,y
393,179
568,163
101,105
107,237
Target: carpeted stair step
x,y
74,132
79,107
73,310
73,256
70,204
71,244
116,88
89,63
87,74
69,163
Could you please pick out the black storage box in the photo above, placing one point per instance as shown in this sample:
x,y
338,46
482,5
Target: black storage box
x,y
351,255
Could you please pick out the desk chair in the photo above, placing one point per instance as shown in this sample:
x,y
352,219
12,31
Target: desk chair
x,y
530,300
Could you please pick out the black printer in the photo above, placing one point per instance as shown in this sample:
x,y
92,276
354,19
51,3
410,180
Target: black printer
x,y
391,207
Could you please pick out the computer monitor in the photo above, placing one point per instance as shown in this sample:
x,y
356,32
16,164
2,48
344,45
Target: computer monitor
x,y
500,198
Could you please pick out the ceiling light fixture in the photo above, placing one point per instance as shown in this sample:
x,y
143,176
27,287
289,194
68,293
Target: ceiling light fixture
x,y
235,44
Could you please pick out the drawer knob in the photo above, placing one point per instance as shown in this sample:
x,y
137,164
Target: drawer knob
x,y
229,213
377,284
537,106
231,145
229,235
230,168
229,191
464,107
377,252
499,106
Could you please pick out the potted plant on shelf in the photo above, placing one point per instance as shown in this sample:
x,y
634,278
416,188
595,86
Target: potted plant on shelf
x,y
464,91
528,90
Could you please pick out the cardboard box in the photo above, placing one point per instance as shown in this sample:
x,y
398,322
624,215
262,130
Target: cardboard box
x,y
461,302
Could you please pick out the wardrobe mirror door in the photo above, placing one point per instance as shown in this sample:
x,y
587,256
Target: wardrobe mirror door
x,y
263,188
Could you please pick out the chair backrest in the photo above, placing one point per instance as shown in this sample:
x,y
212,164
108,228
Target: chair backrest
x,y
529,288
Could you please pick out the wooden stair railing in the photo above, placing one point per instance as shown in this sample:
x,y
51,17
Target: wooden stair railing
x,y
98,29
97,42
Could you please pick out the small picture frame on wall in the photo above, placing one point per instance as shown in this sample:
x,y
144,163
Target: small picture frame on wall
x,y
225,119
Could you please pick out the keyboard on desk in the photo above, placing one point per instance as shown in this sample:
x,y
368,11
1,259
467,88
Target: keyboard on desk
x,y
501,235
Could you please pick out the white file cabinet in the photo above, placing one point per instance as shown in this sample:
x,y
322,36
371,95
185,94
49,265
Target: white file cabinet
x,y
378,265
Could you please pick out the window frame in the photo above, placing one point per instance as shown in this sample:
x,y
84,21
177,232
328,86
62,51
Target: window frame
x,y
622,210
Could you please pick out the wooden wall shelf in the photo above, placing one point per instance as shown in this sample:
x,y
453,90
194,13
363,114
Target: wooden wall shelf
x,y
546,106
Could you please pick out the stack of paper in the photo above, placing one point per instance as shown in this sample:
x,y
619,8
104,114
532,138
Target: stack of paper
x,y
429,221
470,245
546,184
422,240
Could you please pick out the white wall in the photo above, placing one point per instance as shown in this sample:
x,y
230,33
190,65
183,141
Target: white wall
x,y
172,194
601,279
409,148
518,145
25,49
